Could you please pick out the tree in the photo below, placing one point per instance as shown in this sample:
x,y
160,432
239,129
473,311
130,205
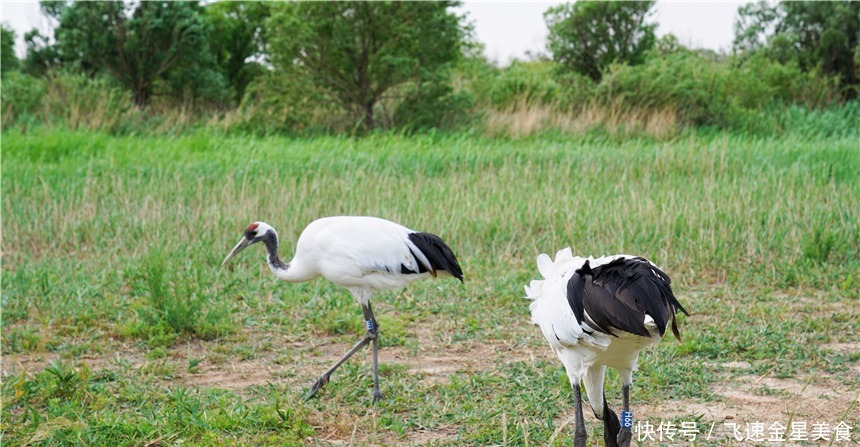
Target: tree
x,y
41,54
359,52
137,43
814,34
7,50
237,38
587,36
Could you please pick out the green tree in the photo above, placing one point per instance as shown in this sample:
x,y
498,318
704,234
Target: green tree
x,y
137,43
358,52
587,36
8,61
41,54
814,34
238,40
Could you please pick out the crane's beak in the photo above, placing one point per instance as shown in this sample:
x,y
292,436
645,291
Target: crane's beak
x,y
239,247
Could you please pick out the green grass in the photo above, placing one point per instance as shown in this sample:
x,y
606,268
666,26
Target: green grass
x,y
119,327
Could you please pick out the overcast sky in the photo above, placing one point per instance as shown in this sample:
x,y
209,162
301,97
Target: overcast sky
x,y
507,29
510,29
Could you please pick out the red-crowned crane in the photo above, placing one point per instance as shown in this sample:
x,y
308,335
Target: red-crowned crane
x,y
361,254
597,313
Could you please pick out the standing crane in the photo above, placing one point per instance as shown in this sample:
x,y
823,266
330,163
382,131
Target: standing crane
x,y
597,313
361,254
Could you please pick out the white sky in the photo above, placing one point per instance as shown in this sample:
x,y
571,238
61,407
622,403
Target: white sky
x,y
507,29
510,29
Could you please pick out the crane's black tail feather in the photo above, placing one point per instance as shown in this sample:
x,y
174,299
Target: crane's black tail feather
x,y
438,253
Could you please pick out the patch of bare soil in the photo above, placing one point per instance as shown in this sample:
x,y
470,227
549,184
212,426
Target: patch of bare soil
x,y
415,437
747,399
34,362
233,376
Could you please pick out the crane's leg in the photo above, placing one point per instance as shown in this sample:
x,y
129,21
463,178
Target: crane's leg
x,y
573,367
579,434
373,333
625,435
323,379
593,381
370,336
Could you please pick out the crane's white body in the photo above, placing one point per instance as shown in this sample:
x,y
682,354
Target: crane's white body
x,y
585,351
359,253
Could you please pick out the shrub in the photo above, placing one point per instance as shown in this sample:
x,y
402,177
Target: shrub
x,y
789,84
433,105
705,91
66,98
96,103
525,83
279,103
20,95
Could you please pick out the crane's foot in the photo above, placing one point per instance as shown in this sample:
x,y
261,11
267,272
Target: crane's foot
x,y
624,437
377,396
321,382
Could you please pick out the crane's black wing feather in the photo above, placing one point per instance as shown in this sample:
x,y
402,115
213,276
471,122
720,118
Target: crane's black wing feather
x,y
574,296
438,253
618,295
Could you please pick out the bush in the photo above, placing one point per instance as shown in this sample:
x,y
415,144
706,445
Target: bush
x,y
95,103
283,103
789,84
693,85
705,91
70,99
432,105
525,83
20,95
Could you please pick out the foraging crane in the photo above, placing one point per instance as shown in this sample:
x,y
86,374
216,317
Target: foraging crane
x,y
362,255
597,313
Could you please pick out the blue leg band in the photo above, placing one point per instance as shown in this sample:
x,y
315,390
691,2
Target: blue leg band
x,y
626,419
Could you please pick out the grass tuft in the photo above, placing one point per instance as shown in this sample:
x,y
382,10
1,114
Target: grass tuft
x,y
818,248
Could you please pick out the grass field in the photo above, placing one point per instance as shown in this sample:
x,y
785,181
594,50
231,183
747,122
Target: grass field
x,y
119,327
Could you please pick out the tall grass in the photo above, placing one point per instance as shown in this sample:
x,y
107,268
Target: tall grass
x,y
529,120
91,196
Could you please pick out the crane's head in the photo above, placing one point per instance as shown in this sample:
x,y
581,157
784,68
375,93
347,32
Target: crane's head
x,y
256,232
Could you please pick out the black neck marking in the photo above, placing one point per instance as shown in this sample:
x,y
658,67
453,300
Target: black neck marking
x,y
271,242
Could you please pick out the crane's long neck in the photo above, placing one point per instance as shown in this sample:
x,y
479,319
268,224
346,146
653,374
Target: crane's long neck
x,y
292,271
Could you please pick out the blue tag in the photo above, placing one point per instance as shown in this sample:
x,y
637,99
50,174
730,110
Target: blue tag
x,y
626,419
369,325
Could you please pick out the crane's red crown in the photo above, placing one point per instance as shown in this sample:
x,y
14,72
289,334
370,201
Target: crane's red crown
x,y
252,227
